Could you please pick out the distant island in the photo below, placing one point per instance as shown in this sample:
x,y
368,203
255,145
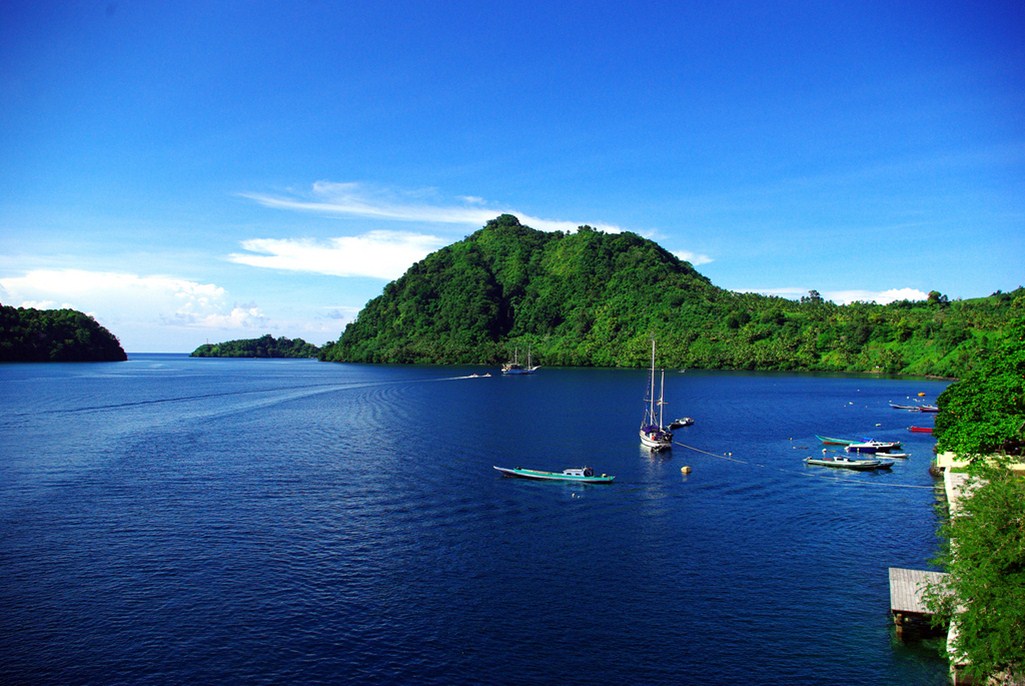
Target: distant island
x,y
589,298
31,335
265,346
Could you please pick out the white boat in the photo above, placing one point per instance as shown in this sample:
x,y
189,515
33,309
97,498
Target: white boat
x,y
870,446
845,462
652,432
514,368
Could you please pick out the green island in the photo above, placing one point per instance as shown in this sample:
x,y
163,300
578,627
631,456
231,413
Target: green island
x,y
591,298
265,346
31,335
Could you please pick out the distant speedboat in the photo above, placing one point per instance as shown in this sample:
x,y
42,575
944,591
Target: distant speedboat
x,y
681,422
583,475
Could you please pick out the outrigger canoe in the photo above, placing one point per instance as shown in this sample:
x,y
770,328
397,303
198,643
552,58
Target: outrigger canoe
x,y
583,475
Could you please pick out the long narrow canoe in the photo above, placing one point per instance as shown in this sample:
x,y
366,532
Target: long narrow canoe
x,y
837,441
920,429
583,475
847,463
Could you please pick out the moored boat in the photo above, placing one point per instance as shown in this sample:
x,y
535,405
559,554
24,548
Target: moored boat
x,y
583,475
920,429
836,441
681,422
844,462
514,368
872,447
653,434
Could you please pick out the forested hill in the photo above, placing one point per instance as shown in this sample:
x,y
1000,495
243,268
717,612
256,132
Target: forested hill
x,y
595,299
265,346
31,335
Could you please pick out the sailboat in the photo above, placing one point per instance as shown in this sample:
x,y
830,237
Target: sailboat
x,y
653,435
514,368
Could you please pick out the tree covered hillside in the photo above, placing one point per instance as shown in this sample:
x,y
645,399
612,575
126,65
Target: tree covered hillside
x,y
265,346
595,299
31,335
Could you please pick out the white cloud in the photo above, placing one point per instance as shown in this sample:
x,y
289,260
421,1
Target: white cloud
x,y
847,297
361,200
124,301
377,254
696,259
881,297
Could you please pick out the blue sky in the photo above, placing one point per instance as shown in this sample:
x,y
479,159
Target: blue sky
x,y
203,171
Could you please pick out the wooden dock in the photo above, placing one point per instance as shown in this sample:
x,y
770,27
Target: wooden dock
x,y
907,600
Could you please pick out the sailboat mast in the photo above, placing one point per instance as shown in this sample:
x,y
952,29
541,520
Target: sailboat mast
x,y
661,400
651,386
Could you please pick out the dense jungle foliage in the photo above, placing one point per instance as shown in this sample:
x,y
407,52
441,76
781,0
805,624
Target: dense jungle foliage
x,y
983,413
31,335
265,346
984,590
982,416
594,299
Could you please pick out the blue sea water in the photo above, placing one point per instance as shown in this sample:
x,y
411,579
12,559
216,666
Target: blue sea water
x,y
170,520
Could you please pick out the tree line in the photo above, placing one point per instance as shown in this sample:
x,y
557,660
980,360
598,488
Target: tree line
x,y
265,346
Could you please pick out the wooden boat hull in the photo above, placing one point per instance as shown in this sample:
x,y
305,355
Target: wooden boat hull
x,y
835,441
541,475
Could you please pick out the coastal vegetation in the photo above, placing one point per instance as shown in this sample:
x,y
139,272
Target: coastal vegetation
x,y
265,346
590,298
983,421
31,335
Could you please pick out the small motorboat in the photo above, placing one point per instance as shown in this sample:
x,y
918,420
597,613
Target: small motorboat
x,y
844,462
872,447
583,475
920,429
681,422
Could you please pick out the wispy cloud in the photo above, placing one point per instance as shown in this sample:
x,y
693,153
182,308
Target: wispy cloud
x,y
362,200
377,254
847,297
